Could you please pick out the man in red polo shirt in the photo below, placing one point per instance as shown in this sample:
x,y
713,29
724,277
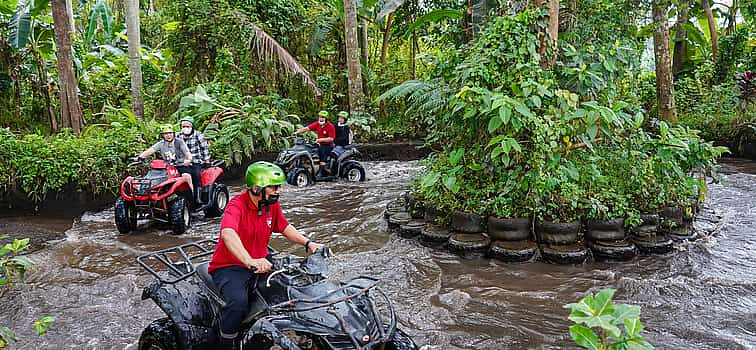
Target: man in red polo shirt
x,y
326,133
248,222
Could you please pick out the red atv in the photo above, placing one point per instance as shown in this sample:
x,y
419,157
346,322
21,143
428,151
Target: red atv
x,y
163,194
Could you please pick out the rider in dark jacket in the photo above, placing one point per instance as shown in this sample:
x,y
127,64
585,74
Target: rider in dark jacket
x,y
343,133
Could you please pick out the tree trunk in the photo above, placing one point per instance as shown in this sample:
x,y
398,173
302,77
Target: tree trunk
x,y
712,29
135,63
71,23
413,53
665,89
352,55
467,23
681,35
548,59
364,47
384,54
70,109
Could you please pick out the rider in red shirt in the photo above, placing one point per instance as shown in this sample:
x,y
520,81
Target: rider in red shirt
x,y
326,133
248,222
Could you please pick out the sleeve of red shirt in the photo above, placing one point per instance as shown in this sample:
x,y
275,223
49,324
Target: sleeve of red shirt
x,y
232,216
279,221
313,126
330,130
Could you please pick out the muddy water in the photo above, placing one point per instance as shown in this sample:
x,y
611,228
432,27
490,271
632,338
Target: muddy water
x,y
703,296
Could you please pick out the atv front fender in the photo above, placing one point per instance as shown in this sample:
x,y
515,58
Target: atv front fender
x,y
190,307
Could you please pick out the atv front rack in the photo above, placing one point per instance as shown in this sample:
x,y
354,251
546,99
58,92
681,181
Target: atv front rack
x,y
177,261
324,301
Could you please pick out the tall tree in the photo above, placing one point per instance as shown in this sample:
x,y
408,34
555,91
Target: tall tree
x,y
135,62
665,89
681,36
70,109
712,29
551,35
353,56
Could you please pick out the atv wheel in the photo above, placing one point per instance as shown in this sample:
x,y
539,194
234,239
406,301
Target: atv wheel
x,y
400,341
298,177
178,214
125,215
159,335
354,173
218,201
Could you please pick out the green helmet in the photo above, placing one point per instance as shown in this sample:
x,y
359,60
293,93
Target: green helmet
x,y
344,114
262,174
166,128
187,118
323,114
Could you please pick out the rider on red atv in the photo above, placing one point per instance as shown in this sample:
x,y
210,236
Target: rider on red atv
x,y
172,149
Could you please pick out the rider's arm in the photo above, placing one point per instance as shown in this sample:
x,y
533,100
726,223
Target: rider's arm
x,y
185,149
234,245
204,153
148,152
302,130
293,236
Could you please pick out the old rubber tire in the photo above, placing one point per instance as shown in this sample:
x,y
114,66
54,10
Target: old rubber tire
x,y
605,225
644,230
606,235
298,177
435,233
513,251
516,229
467,222
556,233
218,201
573,254
400,341
354,172
125,215
466,242
398,219
411,229
658,244
179,215
612,250
682,233
159,335
393,207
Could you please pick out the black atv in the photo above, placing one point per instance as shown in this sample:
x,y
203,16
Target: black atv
x,y
294,307
302,164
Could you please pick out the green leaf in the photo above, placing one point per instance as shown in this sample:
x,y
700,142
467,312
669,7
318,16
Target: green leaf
x,y
100,11
585,337
504,114
20,25
638,343
633,326
623,312
663,129
450,182
430,179
494,123
43,324
171,26
432,16
602,302
593,131
456,155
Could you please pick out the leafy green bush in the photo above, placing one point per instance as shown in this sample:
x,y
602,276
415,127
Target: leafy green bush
x,y
618,325
516,144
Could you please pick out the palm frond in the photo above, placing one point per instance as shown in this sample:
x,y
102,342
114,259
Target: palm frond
x,y
269,49
424,97
320,35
